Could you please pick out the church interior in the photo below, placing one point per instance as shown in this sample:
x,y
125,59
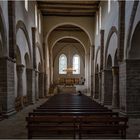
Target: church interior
x,y
70,69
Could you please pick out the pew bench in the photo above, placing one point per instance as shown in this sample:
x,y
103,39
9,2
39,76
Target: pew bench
x,y
103,127
78,113
82,126
44,126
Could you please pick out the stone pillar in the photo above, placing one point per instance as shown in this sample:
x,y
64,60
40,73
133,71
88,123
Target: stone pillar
x,y
129,83
96,94
121,30
115,98
30,85
20,69
91,86
36,85
41,85
12,29
100,86
107,87
45,85
34,46
102,49
91,69
7,86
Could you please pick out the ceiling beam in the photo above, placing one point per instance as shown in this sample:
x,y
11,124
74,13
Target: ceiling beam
x,y
68,2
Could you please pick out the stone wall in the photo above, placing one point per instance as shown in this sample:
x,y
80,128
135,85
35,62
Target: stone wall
x,y
130,87
7,86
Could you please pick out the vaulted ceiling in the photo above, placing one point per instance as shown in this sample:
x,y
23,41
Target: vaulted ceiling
x,y
68,7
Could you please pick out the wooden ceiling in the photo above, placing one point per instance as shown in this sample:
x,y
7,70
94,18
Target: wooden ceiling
x,y
68,7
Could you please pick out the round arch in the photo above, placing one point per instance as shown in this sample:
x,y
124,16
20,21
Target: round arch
x,y
134,50
111,32
71,37
74,24
20,25
73,46
130,29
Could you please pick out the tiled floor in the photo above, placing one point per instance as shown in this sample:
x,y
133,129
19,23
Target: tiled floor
x,y
15,126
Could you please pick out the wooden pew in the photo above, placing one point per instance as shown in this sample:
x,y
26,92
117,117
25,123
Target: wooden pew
x,y
84,114
70,113
97,126
74,110
42,126
103,127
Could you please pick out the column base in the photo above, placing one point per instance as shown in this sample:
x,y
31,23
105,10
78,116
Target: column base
x,y
9,113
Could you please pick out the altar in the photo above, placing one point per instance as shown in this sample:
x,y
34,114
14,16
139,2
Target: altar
x,y
66,89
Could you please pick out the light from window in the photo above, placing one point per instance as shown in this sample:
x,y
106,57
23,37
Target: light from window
x,y
76,64
100,18
39,23
109,5
36,17
26,4
97,24
62,64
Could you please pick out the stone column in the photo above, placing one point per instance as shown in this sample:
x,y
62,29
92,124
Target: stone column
x,y
30,85
34,46
91,86
45,85
102,49
12,29
91,69
7,86
96,96
115,98
41,85
121,30
20,69
107,87
36,85
129,84
100,86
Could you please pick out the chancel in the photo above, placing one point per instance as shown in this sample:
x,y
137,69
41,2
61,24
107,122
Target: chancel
x,y
69,69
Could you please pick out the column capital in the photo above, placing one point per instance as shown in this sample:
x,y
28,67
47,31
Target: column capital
x,y
20,67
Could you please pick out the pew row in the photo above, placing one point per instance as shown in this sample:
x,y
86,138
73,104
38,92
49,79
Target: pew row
x,y
103,126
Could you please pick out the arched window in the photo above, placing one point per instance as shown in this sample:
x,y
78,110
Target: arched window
x,y
36,16
26,5
100,17
76,64
39,23
97,26
62,64
109,5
